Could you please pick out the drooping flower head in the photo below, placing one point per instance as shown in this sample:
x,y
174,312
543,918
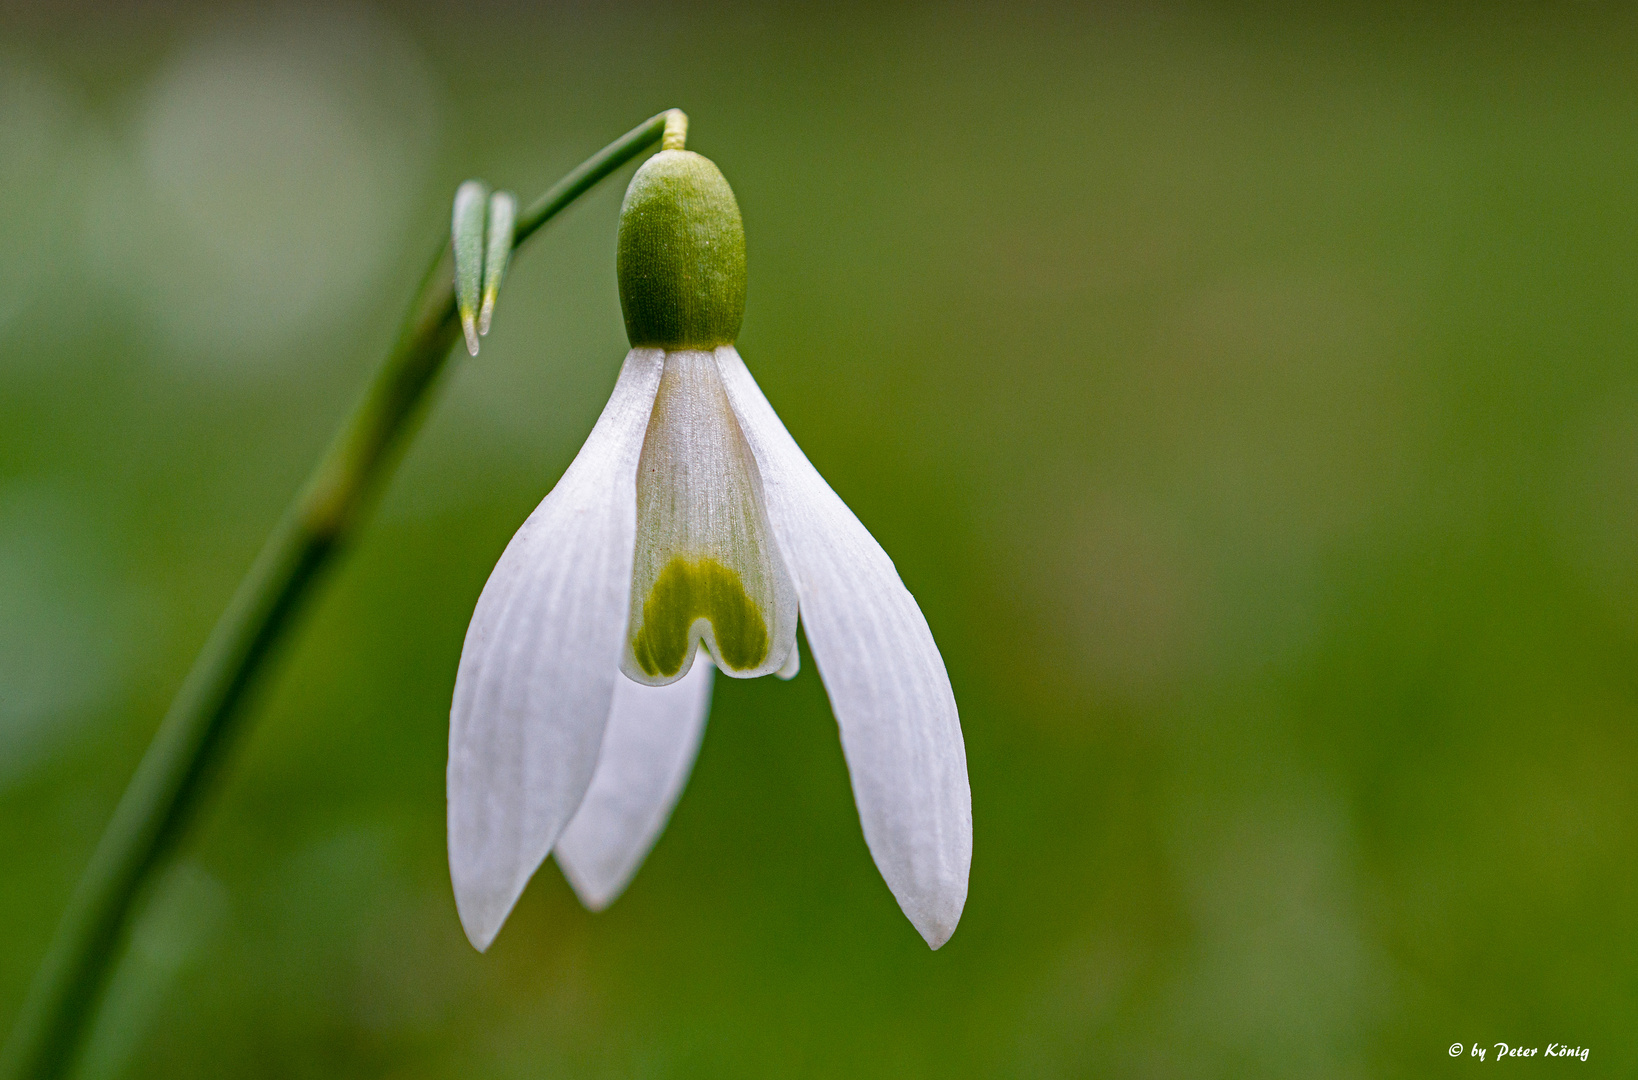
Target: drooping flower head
x,y
690,519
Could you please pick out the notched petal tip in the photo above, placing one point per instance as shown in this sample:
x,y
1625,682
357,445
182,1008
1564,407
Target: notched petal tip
x,y
694,602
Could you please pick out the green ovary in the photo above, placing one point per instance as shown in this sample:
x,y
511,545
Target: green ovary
x,y
687,590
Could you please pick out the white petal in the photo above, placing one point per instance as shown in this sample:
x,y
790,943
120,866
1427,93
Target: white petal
x,y
707,567
538,667
884,675
648,751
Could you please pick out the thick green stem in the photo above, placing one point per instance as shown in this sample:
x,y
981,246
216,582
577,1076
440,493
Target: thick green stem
x,y
209,710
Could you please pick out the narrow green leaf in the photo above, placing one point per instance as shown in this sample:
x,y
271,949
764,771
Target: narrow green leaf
x,y
467,237
503,216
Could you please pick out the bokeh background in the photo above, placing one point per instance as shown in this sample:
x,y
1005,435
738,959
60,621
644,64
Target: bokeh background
x,y
1247,393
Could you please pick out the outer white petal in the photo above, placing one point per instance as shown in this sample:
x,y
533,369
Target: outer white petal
x,y
884,675
537,670
648,751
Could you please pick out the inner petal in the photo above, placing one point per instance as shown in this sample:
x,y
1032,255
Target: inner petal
x,y
706,567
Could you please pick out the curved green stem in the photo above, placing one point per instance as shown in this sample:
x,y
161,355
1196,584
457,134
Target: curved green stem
x,y
209,710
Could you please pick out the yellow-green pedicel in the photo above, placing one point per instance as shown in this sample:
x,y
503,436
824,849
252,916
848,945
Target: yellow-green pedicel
x,y
689,590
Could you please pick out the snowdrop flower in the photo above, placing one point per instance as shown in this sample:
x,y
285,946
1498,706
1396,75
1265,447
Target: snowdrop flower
x,y
689,524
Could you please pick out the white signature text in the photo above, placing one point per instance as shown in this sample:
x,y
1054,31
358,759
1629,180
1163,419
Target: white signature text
x,y
1554,1050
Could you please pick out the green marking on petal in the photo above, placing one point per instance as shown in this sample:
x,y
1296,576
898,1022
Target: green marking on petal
x,y
685,591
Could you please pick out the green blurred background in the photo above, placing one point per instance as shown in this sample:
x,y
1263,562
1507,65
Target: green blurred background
x,y
1246,393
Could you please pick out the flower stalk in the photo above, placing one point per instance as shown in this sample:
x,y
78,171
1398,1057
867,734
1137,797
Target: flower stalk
x,y
210,711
